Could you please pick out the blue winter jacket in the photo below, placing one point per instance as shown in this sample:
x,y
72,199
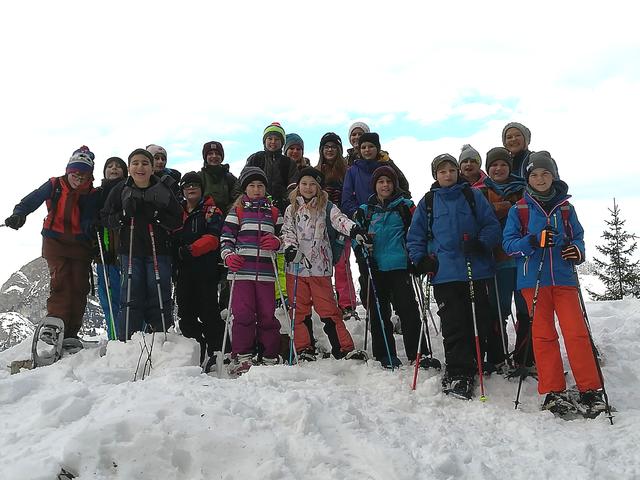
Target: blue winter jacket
x,y
357,185
555,270
387,226
452,218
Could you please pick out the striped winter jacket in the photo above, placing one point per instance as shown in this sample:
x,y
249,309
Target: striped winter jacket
x,y
242,236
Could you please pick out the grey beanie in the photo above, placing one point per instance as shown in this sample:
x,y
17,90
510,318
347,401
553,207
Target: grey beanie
x,y
251,174
361,125
469,153
542,159
439,160
499,153
526,133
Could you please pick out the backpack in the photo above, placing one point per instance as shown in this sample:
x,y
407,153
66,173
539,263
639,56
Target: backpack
x,y
428,201
523,214
403,211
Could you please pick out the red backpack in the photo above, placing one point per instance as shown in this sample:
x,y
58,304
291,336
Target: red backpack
x,y
523,213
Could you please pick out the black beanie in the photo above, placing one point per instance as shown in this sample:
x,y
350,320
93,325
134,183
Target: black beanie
x,y
311,172
499,153
190,177
330,137
120,163
251,174
371,137
542,159
140,151
385,171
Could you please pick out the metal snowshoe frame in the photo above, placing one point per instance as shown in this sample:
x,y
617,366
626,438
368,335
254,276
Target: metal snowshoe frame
x,y
57,325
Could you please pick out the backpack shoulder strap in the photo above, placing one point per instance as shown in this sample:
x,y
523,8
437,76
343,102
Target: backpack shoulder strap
x,y
428,203
523,214
274,214
471,199
565,211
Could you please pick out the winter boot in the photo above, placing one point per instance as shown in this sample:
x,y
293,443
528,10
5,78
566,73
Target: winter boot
x,y
591,403
349,313
241,364
71,345
428,362
461,387
395,362
307,356
559,404
272,361
357,355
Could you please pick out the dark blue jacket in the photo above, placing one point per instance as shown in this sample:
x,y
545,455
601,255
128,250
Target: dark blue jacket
x,y
452,218
555,270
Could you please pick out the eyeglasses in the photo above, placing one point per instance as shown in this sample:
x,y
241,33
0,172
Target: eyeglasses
x,y
330,147
80,177
190,185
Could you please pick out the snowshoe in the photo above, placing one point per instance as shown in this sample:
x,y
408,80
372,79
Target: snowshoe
x,y
71,345
65,474
459,386
272,361
349,313
395,362
307,356
590,403
521,370
241,364
46,347
357,355
560,405
428,362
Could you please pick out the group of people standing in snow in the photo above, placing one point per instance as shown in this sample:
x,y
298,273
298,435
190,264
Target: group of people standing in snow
x,y
278,234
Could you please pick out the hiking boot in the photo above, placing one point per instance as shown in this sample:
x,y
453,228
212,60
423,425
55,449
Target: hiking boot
x,y
357,355
593,401
428,362
349,313
241,364
395,362
72,345
273,361
307,356
558,403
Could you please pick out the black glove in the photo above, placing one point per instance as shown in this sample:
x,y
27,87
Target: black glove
x,y
571,253
290,253
360,235
545,237
427,266
15,221
131,201
184,252
472,246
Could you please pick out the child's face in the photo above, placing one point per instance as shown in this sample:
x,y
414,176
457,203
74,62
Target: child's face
x,y
447,174
113,171
77,179
294,152
354,138
368,151
273,142
384,187
540,180
330,150
499,171
192,192
308,187
469,169
140,169
514,140
255,190
159,162
214,158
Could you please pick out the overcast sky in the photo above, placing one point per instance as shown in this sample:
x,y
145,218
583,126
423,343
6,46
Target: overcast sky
x,y
428,78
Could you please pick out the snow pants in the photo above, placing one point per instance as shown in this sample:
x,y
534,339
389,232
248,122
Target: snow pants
x,y
253,306
454,310
344,282
198,309
113,273
396,284
317,292
565,303
496,329
144,307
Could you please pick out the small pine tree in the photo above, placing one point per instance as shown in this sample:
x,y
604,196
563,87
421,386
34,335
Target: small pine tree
x,y
620,275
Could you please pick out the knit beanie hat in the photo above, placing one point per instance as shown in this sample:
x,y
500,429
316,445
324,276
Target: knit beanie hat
x,y
276,128
251,174
365,128
526,133
190,178
439,160
140,151
81,161
499,153
155,149
330,137
542,159
120,163
385,171
469,153
293,139
311,172
209,147
371,138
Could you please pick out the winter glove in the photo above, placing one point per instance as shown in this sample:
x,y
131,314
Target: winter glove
x,y
15,221
234,262
545,238
184,252
269,242
292,254
361,236
427,266
472,246
571,253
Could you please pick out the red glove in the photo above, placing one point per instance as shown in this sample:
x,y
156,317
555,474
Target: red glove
x,y
234,262
269,242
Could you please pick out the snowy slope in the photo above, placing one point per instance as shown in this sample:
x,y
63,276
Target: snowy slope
x,y
328,420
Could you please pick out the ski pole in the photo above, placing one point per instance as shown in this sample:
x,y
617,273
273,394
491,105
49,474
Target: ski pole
x,y
593,345
352,293
377,301
505,350
425,306
467,259
423,327
527,350
428,307
292,346
226,325
107,287
129,276
157,275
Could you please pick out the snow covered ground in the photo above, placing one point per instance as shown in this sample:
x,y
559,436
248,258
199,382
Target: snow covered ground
x,y
325,420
